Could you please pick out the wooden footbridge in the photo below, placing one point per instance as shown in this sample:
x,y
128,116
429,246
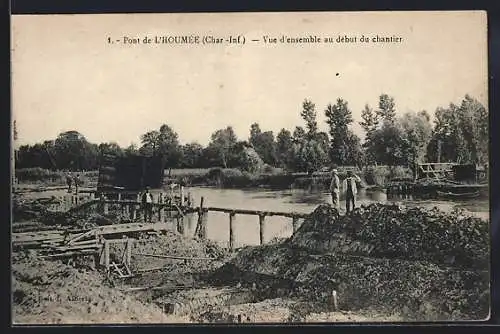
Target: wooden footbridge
x,y
166,210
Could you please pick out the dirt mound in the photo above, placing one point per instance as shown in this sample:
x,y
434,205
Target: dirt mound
x,y
53,292
25,209
392,231
420,290
402,275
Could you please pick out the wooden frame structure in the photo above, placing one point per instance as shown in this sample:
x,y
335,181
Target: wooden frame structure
x,y
434,170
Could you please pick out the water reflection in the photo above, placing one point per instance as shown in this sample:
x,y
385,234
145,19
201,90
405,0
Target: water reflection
x,y
247,226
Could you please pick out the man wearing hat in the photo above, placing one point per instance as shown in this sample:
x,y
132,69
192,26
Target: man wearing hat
x,y
147,202
335,189
351,190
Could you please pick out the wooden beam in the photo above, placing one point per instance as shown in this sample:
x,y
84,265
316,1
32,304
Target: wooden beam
x,y
106,254
295,223
174,257
262,222
258,212
232,218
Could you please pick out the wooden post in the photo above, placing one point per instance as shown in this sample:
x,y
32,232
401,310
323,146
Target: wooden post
x,y
182,195
129,252
119,197
160,212
232,218
180,225
204,223
295,223
190,220
106,208
262,221
127,210
133,207
106,254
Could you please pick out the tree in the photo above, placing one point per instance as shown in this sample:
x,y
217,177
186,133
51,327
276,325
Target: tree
x,y
110,148
192,155
386,110
308,113
72,151
344,145
369,124
460,133
131,150
163,143
169,146
417,132
223,142
150,143
299,135
263,143
388,145
255,132
284,147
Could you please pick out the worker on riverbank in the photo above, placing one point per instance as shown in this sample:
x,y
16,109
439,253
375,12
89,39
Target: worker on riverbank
x,y
69,181
350,188
335,189
76,181
147,204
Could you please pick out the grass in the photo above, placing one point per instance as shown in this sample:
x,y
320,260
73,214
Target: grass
x,y
50,177
226,177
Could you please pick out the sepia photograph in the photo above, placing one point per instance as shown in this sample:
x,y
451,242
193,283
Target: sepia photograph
x,y
250,168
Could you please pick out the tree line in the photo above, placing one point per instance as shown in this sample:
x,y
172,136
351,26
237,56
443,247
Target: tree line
x,y
459,133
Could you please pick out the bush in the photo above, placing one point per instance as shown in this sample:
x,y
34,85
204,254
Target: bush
x,y
38,174
381,175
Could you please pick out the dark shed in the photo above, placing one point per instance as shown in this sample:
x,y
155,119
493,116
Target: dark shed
x,y
132,172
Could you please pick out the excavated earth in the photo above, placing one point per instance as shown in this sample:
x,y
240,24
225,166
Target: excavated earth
x,y
381,268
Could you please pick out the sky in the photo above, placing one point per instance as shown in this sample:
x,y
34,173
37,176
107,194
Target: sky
x,y
66,76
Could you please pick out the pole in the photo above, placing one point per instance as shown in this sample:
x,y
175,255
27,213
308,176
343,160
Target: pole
x,y
232,217
204,224
262,221
295,223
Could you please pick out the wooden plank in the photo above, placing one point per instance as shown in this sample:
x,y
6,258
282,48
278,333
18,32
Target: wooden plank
x,y
68,248
86,242
82,252
257,212
117,270
174,257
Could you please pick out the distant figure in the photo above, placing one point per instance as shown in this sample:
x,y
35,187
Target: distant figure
x,y
76,181
335,189
69,181
147,203
351,190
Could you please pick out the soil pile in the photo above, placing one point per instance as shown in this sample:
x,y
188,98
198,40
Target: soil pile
x,y
406,272
34,209
391,231
51,292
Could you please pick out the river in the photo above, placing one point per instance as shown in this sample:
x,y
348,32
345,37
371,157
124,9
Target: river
x,y
247,226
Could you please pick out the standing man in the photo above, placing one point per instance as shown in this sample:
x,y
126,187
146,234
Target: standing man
x,y
76,181
69,181
351,190
335,189
147,203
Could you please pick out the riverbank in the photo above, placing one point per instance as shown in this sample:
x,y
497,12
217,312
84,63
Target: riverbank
x,y
441,273
273,178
